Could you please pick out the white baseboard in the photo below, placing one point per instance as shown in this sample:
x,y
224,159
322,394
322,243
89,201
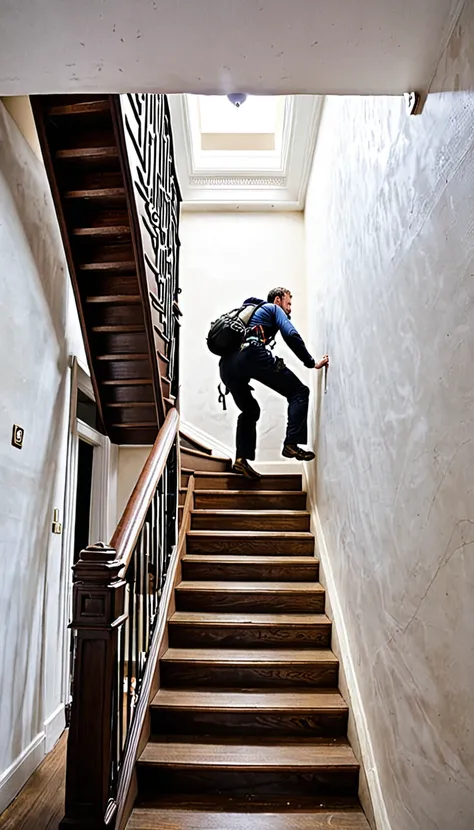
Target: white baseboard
x,y
54,727
365,743
205,438
17,774
278,467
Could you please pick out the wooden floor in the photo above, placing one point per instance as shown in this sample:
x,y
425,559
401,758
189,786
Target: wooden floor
x,y
40,804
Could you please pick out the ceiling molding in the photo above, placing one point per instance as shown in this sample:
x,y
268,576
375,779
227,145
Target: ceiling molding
x,y
266,180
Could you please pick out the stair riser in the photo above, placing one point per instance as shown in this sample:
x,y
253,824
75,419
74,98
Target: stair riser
x,y
253,572
234,500
250,546
257,602
177,675
181,498
269,724
156,779
243,522
185,479
233,482
187,636
205,463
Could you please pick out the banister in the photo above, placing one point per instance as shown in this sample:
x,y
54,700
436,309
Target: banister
x,y
117,601
133,516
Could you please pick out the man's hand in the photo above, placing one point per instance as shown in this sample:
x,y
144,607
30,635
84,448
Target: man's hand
x,y
323,362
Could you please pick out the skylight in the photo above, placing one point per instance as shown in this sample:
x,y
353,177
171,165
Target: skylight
x,y
254,126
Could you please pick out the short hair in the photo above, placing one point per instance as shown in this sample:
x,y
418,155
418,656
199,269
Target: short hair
x,y
277,292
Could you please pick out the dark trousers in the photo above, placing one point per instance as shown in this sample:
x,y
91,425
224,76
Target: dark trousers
x,y
256,363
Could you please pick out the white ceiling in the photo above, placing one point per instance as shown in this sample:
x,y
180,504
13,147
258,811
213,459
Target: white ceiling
x,y
220,46
251,179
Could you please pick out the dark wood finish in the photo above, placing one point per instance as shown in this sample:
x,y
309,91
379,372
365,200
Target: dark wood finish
x,y
279,766
40,804
249,630
248,668
202,461
113,241
269,713
231,813
98,613
280,597
140,731
250,543
247,703
250,520
248,500
264,568
232,481
121,602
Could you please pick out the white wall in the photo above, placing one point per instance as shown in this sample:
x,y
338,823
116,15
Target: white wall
x,y
390,253
225,258
131,461
39,328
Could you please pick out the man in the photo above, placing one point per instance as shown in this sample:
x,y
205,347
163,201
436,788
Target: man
x,y
255,361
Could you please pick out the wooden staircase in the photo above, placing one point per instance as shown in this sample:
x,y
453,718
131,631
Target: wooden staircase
x,y
118,210
248,728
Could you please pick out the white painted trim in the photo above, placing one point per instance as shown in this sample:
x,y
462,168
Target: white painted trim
x,y
356,704
17,774
103,498
54,727
207,439
281,467
263,181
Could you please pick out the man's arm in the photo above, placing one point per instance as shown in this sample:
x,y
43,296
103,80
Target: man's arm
x,y
292,338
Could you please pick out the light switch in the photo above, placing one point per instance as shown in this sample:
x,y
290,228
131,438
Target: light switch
x,y
57,526
17,436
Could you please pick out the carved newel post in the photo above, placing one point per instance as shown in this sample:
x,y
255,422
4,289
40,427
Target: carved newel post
x,y
98,613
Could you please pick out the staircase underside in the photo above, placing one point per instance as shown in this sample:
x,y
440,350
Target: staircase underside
x,y
83,143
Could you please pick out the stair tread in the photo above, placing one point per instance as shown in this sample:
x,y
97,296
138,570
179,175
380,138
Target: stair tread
x,y
251,754
190,814
249,493
95,193
252,534
248,587
216,512
250,560
247,618
249,655
325,699
81,108
293,476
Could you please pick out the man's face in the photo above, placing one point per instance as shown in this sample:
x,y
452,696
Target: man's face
x,y
284,302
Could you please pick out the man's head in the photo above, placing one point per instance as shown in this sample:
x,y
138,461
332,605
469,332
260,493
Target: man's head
x,y
282,297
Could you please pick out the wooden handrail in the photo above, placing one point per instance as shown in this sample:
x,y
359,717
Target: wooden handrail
x,y
133,517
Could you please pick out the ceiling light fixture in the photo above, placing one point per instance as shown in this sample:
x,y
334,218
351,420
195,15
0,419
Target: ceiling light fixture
x,y
237,98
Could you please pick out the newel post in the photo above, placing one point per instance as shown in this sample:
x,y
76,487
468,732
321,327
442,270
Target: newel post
x,y
98,613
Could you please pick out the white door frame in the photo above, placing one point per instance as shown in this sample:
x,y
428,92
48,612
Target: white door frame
x,y
103,497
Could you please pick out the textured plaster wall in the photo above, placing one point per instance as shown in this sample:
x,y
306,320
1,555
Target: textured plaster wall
x,y
226,257
38,329
390,255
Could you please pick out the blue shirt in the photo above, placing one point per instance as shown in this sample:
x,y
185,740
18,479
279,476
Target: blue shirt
x,y
273,319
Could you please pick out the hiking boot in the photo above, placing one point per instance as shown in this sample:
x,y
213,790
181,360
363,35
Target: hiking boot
x,y
296,452
243,468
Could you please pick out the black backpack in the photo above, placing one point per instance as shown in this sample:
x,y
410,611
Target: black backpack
x,y
227,333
